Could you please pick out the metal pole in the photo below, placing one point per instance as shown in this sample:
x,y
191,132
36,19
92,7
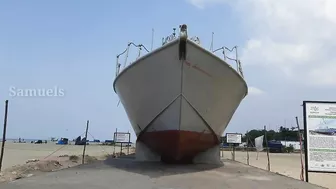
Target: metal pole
x,y
86,132
237,58
268,159
305,140
152,39
212,38
4,134
117,65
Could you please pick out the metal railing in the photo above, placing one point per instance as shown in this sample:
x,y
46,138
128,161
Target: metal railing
x,y
172,37
236,59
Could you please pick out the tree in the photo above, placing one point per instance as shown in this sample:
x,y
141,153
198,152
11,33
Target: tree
x,y
283,134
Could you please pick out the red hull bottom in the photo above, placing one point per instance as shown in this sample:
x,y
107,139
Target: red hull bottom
x,y
176,145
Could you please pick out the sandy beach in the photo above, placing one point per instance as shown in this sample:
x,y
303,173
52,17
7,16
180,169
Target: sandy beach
x,y
19,153
285,164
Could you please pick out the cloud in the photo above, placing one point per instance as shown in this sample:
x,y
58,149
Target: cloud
x,y
201,4
255,91
293,38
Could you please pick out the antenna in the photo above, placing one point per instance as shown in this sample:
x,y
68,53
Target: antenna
x,y
152,39
237,59
212,37
139,53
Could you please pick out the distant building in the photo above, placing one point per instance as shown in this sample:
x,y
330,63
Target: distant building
x,y
295,144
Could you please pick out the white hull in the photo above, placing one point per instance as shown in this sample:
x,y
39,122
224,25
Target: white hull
x,y
203,82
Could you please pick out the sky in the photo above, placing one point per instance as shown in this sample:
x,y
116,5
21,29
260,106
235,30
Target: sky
x,y
286,48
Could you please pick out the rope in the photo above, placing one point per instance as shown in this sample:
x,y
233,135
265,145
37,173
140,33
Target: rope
x,y
99,145
27,168
36,150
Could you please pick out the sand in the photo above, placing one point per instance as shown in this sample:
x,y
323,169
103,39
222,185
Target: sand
x,y
124,173
25,159
19,153
285,164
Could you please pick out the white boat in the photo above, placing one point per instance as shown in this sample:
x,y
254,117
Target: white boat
x,y
179,98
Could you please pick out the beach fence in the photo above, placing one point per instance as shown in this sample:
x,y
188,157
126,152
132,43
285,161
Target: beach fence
x,y
17,155
271,156
22,159
288,164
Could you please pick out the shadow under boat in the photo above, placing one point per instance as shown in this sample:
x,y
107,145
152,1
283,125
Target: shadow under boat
x,y
156,169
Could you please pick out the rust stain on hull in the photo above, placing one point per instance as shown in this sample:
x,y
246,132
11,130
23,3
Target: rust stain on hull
x,y
177,145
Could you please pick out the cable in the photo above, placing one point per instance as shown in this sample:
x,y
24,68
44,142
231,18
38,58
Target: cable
x,y
99,145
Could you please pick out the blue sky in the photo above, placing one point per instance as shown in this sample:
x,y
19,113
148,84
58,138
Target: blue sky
x,y
73,44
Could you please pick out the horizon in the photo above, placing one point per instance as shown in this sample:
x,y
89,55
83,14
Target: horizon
x,y
92,138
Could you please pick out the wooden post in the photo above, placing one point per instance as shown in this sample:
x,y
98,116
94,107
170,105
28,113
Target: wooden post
x,y
86,132
247,151
129,141
4,134
267,150
232,152
221,151
114,141
299,134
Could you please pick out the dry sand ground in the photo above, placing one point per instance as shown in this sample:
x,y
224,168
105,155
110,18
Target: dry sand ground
x,y
51,157
19,153
285,164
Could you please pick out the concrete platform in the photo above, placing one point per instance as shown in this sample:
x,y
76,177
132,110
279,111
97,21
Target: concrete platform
x,y
125,173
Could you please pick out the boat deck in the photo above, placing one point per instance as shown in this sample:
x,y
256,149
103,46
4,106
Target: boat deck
x,y
125,173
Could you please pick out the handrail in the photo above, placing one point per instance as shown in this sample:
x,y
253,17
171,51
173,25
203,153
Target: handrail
x,y
236,59
140,46
171,38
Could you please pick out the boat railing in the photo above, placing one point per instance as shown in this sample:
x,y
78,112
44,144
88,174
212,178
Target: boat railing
x,y
196,40
171,38
239,68
126,51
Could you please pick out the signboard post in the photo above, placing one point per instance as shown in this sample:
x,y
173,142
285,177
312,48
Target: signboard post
x,y
319,118
233,139
122,137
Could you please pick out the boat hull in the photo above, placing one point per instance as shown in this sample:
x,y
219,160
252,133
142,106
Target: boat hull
x,y
179,108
